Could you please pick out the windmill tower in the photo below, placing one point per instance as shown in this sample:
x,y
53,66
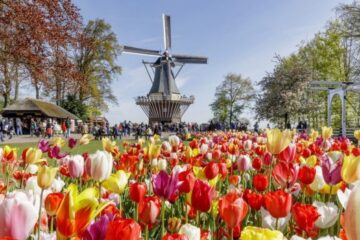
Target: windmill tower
x,y
164,103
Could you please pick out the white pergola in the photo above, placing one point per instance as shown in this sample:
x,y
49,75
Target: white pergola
x,y
336,89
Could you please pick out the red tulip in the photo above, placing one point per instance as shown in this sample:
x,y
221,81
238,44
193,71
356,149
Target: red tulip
x,y
123,229
305,216
149,210
211,170
201,196
223,170
257,164
288,154
52,202
137,191
267,159
307,175
232,209
260,182
255,200
285,174
187,179
175,236
278,203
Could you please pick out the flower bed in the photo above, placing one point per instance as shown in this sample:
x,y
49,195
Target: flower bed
x,y
275,185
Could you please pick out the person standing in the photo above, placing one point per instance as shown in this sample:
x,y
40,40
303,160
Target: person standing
x,y
67,125
1,130
18,125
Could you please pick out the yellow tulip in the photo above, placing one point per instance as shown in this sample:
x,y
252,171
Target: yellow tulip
x,y
327,132
314,134
32,156
85,139
199,173
9,153
76,211
214,208
117,182
277,140
46,176
350,171
108,145
256,233
58,141
357,134
154,151
334,189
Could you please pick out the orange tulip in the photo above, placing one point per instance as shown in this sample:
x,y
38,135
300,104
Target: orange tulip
x,y
52,202
232,209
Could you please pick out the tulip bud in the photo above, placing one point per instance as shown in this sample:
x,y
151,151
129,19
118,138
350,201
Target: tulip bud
x,y
352,217
52,202
46,176
162,164
267,160
174,224
244,163
248,145
76,166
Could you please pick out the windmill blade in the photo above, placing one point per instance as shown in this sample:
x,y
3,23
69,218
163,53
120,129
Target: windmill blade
x,y
140,51
167,31
189,59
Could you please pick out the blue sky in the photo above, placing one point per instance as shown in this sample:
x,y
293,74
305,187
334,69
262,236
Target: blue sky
x,y
239,36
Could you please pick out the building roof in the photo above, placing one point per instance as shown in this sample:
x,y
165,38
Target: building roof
x,y
30,105
164,80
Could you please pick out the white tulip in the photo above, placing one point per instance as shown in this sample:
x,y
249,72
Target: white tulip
x,y
329,238
192,232
166,146
319,181
57,185
267,221
343,197
162,164
204,148
32,168
174,140
99,165
328,214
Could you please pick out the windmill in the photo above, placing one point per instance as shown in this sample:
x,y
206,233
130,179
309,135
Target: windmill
x,y
164,103
333,89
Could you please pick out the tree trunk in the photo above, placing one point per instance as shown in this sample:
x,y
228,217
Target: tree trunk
x,y
17,84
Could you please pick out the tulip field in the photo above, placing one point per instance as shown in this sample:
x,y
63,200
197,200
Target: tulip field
x,y
212,185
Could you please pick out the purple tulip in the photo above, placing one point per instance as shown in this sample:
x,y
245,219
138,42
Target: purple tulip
x,y
44,145
97,230
54,152
72,142
331,170
165,185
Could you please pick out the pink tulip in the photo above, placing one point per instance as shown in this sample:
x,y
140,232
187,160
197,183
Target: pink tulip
x,y
288,154
352,216
17,216
244,163
248,145
76,166
267,160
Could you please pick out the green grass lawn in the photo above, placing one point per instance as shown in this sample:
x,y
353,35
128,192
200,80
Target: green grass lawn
x,y
79,149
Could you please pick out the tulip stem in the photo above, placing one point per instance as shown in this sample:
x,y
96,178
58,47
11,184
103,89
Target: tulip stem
x,y
162,218
146,232
99,192
52,223
231,233
276,223
198,218
39,219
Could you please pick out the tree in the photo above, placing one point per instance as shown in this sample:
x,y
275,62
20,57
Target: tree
x,y
75,106
96,61
29,32
231,97
284,91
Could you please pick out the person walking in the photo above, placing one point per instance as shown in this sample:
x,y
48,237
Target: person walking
x,y
67,125
1,130
18,127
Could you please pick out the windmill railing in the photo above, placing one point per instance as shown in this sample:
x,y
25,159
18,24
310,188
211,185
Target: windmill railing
x,y
180,99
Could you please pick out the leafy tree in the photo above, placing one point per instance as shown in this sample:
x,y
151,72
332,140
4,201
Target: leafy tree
x,y
30,31
231,97
75,106
96,61
284,91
